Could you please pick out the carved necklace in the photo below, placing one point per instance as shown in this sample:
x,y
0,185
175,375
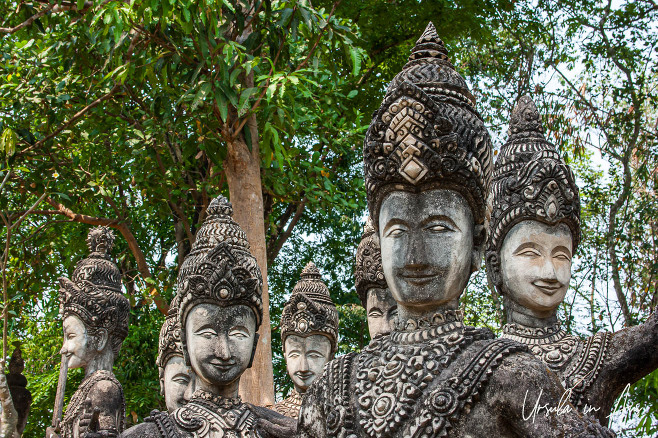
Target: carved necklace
x,y
395,371
577,362
291,405
213,416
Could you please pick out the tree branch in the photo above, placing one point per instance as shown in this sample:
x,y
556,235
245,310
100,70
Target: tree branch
x,y
26,23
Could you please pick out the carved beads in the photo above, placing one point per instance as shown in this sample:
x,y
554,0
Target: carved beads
x,y
310,309
426,134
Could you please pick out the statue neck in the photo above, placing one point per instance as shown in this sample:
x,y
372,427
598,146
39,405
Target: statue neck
x,y
103,361
424,312
518,314
226,391
417,316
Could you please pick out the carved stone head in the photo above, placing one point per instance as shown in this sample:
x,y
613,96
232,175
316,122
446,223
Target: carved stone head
x,y
426,144
534,216
176,378
376,298
309,328
94,311
219,299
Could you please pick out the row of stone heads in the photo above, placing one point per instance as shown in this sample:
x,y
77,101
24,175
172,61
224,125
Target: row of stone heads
x,y
438,205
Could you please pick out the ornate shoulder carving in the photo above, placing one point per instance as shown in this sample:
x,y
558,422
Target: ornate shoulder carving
x,y
340,417
587,368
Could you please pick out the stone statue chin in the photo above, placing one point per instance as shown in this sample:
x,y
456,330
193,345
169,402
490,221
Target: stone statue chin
x,y
177,383
381,310
305,358
536,269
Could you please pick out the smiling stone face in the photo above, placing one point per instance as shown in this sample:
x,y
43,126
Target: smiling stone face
x,y
78,345
305,358
427,247
536,266
220,342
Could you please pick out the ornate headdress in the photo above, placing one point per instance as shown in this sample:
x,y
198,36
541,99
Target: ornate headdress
x,y
310,310
369,272
427,133
169,344
530,182
219,269
94,294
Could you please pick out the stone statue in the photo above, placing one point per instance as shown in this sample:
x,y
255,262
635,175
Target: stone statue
x,y
309,332
535,230
176,378
220,309
427,165
376,298
20,395
95,319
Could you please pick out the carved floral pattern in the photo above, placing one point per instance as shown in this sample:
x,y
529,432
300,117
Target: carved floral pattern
x,y
291,405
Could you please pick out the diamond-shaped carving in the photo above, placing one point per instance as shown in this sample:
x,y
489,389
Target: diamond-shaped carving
x,y
412,170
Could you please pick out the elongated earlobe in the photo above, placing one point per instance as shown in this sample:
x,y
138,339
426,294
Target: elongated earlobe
x,y
479,238
253,350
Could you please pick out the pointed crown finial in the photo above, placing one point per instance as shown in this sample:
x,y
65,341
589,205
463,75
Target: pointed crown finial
x,y
525,118
429,45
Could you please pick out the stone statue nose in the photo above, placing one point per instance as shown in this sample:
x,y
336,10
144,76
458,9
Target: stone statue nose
x,y
222,349
416,257
548,273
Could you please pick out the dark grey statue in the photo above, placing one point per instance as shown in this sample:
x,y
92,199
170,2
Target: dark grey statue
x,y
309,333
95,318
376,298
20,395
220,309
427,163
535,230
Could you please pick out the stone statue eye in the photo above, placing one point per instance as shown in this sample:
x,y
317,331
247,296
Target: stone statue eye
x,y
375,314
395,230
562,256
529,252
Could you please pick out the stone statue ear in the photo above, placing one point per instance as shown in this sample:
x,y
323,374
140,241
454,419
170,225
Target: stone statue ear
x,y
479,239
102,338
253,350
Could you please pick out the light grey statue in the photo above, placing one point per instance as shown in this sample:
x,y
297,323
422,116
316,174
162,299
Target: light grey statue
x,y
95,319
220,309
177,382
427,165
535,230
376,298
309,332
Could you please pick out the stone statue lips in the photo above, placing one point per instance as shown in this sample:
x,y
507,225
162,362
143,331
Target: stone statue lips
x,y
223,365
304,375
547,287
419,277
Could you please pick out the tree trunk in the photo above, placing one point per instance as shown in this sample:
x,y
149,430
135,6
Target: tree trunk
x,y
242,168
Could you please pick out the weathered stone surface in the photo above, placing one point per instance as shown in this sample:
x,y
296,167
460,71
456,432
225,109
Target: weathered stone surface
x,y
95,319
376,298
309,331
427,159
535,230
219,309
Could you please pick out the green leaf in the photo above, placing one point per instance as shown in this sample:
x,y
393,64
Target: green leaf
x,y
8,142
